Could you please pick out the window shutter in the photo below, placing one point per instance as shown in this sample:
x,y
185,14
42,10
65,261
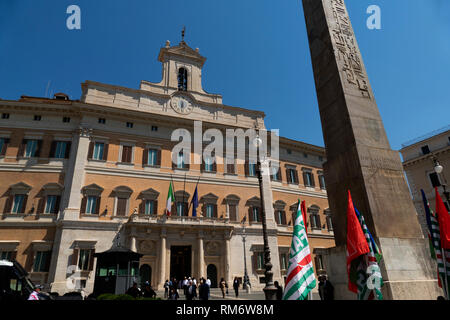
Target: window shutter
x,y
97,205
246,168
185,209
155,207
230,168
4,147
279,174
293,217
295,176
313,183
145,157
158,161
8,204
48,259
39,148
255,260
305,179
14,255
174,209
288,177
250,214
68,146
204,210
91,259
319,224
214,167
232,212
215,213
142,207
41,205
277,220
83,205
52,149
105,151
24,204
57,204
283,217
91,149
75,256
121,207
259,214
21,151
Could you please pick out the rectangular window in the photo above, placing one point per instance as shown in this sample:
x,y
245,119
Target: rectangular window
x,y
91,205
149,207
83,262
152,157
31,148
329,223
6,255
280,216
322,182
308,179
319,262
180,209
2,146
101,120
98,151
122,206
60,150
260,262
50,206
127,153
37,118
130,125
66,119
283,261
255,213
252,169
5,115
425,150
154,128
209,210
180,161
208,164
42,261
18,203
291,176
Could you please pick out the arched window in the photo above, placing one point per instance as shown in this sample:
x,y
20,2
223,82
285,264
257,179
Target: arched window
x,y
182,79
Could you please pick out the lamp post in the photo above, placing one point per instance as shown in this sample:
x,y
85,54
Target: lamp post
x,y
438,168
270,290
245,284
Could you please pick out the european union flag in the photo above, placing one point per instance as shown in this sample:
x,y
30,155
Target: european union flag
x,y
194,202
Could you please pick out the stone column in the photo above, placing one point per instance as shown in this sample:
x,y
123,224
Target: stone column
x,y
360,159
227,259
162,259
201,257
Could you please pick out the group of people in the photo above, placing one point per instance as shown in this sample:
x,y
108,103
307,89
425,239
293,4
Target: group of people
x,y
146,292
189,286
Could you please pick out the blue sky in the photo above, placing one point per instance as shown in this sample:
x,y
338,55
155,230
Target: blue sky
x,y
257,50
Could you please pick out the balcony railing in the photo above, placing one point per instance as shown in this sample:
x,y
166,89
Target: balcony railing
x,y
162,219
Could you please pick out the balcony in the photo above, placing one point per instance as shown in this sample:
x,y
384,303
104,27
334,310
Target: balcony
x,y
178,221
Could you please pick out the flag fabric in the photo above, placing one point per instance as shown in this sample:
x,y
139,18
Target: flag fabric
x,y
439,225
194,202
433,226
303,206
170,199
357,246
444,221
369,281
300,276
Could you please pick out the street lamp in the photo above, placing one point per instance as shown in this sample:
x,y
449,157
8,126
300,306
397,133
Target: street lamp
x,y
245,285
438,168
269,290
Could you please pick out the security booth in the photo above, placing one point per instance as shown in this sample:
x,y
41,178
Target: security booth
x,y
117,269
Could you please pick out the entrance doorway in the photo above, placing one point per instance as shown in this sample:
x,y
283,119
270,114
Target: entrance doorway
x,y
211,272
145,273
180,262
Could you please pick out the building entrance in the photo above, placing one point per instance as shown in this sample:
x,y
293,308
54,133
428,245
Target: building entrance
x,y
180,262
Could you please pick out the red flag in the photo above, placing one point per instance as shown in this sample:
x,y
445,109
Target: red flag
x,y
444,221
356,241
303,206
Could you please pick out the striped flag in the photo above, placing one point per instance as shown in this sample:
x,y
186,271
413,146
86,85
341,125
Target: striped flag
x,y
369,280
170,199
300,276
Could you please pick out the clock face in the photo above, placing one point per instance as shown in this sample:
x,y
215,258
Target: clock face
x,y
181,105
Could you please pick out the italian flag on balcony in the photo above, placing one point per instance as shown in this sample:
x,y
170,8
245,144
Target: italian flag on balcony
x,y
170,198
300,280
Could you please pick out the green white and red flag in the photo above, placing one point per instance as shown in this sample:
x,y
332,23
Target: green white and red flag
x,y
170,199
300,276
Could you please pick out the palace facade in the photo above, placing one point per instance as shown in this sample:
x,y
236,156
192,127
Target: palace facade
x,y
78,176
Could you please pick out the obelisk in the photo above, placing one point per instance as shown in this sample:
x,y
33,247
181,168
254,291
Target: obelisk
x,y
359,157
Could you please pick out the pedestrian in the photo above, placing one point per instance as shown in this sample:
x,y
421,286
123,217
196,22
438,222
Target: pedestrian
x,y
194,288
236,286
35,294
279,290
173,294
203,290
222,286
326,289
185,285
148,291
166,288
134,291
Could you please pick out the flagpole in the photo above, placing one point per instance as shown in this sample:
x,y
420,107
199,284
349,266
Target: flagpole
x,y
173,190
444,259
184,191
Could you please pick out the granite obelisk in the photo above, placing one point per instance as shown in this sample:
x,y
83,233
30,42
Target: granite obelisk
x,y
359,158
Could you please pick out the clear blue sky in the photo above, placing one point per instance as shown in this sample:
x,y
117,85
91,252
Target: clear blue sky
x,y
257,50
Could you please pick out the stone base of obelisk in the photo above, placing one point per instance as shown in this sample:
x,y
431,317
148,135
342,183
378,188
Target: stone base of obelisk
x,y
407,269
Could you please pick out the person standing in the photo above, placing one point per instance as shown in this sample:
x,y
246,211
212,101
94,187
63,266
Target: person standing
x,y
326,289
222,286
236,286
203,290
279,290
166,288
173,294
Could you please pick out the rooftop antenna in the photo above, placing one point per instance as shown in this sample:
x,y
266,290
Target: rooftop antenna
x,y
182,33
46,90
